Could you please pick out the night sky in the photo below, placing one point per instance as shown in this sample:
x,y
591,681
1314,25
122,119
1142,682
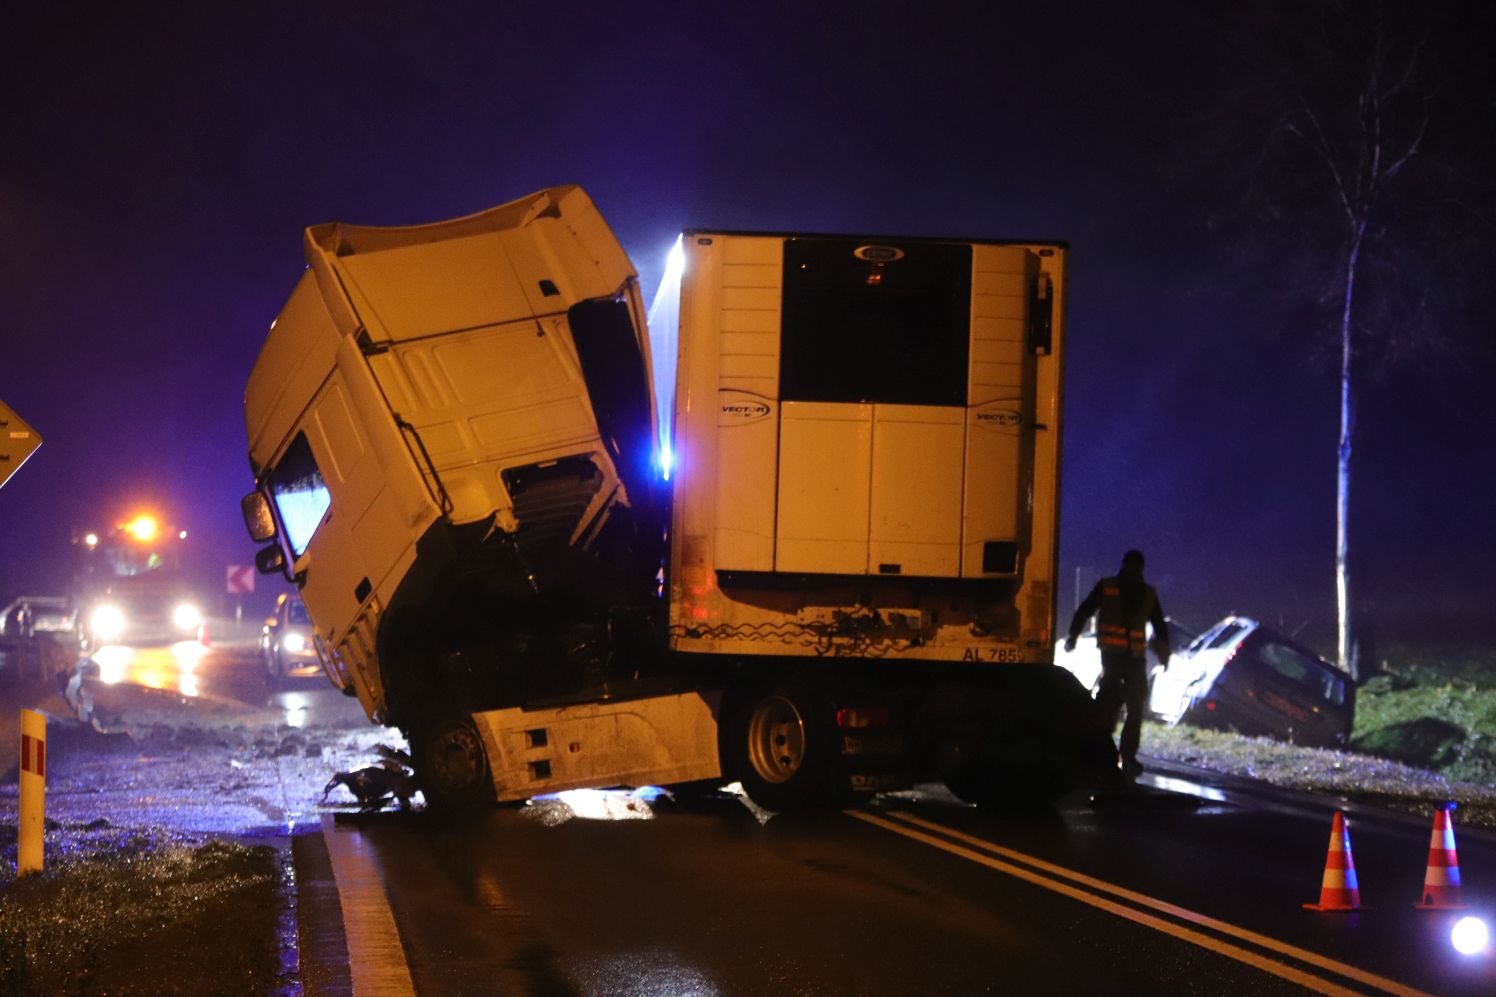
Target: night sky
x,y
158,165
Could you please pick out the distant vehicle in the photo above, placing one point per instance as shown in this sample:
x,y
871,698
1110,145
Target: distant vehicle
x,y
1085,661
1241,676
286,646
133,588
33,614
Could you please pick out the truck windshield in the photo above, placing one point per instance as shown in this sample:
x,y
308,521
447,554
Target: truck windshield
x,y
126,560
300,493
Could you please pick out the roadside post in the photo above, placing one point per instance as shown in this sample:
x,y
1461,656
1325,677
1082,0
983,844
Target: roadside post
x,y
241,580
29,852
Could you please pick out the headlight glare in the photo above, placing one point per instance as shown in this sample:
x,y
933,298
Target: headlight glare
x,y
186,617
107,622
293,643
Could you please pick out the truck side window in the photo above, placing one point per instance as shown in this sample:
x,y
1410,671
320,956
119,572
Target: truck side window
x,y
613,367
892,325
300,493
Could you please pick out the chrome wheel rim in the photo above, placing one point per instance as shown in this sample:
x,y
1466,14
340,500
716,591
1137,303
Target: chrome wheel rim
x,y
776,739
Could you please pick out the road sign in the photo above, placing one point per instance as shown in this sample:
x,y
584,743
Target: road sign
x,y
241,579
17,442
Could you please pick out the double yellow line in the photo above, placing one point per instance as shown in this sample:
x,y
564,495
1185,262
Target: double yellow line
x,y
1089,890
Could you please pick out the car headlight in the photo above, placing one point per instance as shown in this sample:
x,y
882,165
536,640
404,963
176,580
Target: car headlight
x,y
186,617
107,622
293,643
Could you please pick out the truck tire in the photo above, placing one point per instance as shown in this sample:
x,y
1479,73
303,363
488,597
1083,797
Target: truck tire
x,y
1016,773
778,745
1032,736
451,766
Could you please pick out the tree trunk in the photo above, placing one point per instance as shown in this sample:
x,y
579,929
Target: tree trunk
x,y
1344,631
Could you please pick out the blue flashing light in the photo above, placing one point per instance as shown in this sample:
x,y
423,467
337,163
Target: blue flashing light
x,y
664,339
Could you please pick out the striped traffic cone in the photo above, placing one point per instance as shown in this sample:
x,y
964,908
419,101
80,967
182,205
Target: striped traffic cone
x,y
1441,883
1339,889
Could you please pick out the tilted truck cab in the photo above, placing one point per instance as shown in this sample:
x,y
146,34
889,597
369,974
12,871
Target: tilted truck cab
x,y
421,419
846,585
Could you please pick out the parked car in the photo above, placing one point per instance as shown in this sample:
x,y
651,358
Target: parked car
x,y
287,648
1085,661
34,614
1242,676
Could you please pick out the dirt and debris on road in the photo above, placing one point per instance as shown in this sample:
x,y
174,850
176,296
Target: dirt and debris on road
x,y
167,840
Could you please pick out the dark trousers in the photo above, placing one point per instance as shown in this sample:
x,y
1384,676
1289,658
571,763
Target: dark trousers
x,y
1124,682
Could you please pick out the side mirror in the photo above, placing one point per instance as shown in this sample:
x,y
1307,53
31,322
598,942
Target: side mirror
x,y
270,560
257,518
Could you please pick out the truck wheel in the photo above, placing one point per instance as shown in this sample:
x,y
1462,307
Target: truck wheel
x,y
776,746
1018,772
450,764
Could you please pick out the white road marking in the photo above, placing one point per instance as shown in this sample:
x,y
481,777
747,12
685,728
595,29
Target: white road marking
x,y
1257,960
376,957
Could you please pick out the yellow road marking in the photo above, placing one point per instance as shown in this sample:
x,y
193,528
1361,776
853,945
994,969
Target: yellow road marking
x,y
1245,934
1304,979
376,958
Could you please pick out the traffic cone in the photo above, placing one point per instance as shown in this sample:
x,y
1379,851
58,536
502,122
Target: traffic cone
x,y
1339,889
1441,883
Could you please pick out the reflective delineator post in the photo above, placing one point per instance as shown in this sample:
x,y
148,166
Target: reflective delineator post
x,y
33,792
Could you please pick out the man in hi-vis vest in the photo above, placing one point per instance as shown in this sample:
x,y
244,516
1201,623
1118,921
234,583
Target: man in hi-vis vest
x,y
1123,607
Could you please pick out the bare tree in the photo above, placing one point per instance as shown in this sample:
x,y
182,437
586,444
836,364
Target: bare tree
x,y
1351,141
1360,160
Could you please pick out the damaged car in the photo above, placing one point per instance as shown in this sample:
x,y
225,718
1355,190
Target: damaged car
x,y
1241,676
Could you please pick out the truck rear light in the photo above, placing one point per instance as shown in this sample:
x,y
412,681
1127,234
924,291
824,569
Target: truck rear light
x,y
852,719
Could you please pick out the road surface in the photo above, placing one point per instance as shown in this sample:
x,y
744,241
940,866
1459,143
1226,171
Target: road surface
x,y
1194,886
1172,892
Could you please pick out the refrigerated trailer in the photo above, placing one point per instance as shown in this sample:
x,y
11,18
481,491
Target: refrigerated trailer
x,y
845,584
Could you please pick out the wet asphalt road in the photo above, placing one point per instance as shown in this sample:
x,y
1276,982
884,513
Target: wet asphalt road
x,y
911,897
1196,887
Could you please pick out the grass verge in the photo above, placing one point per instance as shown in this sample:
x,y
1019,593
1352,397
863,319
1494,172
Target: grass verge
x,y
1423,736
144,918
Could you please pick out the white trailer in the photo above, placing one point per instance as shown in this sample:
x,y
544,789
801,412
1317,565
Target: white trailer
x,y
847,584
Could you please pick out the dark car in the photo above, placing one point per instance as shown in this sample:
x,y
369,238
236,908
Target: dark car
x,y
1242,676
287,645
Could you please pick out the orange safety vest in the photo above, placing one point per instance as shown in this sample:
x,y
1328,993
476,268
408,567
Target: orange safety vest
x,y
1114,631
